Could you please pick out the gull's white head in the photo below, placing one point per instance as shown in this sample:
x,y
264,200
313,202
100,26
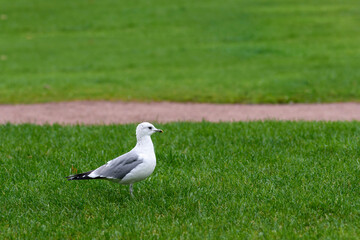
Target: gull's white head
x,y
146,129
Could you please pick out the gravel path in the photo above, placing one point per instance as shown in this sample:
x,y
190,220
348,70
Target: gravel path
x,y
101,112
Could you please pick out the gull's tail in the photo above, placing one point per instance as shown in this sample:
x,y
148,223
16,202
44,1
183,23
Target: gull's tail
x,y
82,176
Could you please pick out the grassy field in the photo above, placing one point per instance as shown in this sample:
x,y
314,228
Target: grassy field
x,y
278,180
245,51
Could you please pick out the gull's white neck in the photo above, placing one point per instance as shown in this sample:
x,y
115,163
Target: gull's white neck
x,y
144,144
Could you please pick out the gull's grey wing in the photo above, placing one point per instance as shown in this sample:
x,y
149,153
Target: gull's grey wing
x,y
119,167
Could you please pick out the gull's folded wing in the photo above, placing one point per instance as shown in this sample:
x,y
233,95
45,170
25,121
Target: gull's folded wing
x,y
118,167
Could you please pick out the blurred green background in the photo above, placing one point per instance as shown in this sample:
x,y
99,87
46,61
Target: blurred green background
x,y
244,51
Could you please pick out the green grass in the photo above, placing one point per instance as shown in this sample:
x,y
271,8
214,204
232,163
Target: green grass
x,y
277,180
247,51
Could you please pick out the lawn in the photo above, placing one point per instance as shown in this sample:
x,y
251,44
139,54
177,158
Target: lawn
x,y
244,51
277,180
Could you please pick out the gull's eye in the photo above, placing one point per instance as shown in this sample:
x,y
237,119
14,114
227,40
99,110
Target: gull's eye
x,y
150,128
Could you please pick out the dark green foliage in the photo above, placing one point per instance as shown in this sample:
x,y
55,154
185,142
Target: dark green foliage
x,y
219,181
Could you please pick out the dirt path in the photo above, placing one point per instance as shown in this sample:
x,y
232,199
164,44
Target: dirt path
x,y
102,112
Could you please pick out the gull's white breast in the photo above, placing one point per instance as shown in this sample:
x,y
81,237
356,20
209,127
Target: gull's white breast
x,y
141,171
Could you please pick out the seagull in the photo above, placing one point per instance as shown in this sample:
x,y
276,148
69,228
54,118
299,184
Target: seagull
x,y
131,167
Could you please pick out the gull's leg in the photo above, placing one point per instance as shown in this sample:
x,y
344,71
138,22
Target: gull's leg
x,y
131,190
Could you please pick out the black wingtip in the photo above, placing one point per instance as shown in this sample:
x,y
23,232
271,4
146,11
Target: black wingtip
x,y
79,176
68,178
82,176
